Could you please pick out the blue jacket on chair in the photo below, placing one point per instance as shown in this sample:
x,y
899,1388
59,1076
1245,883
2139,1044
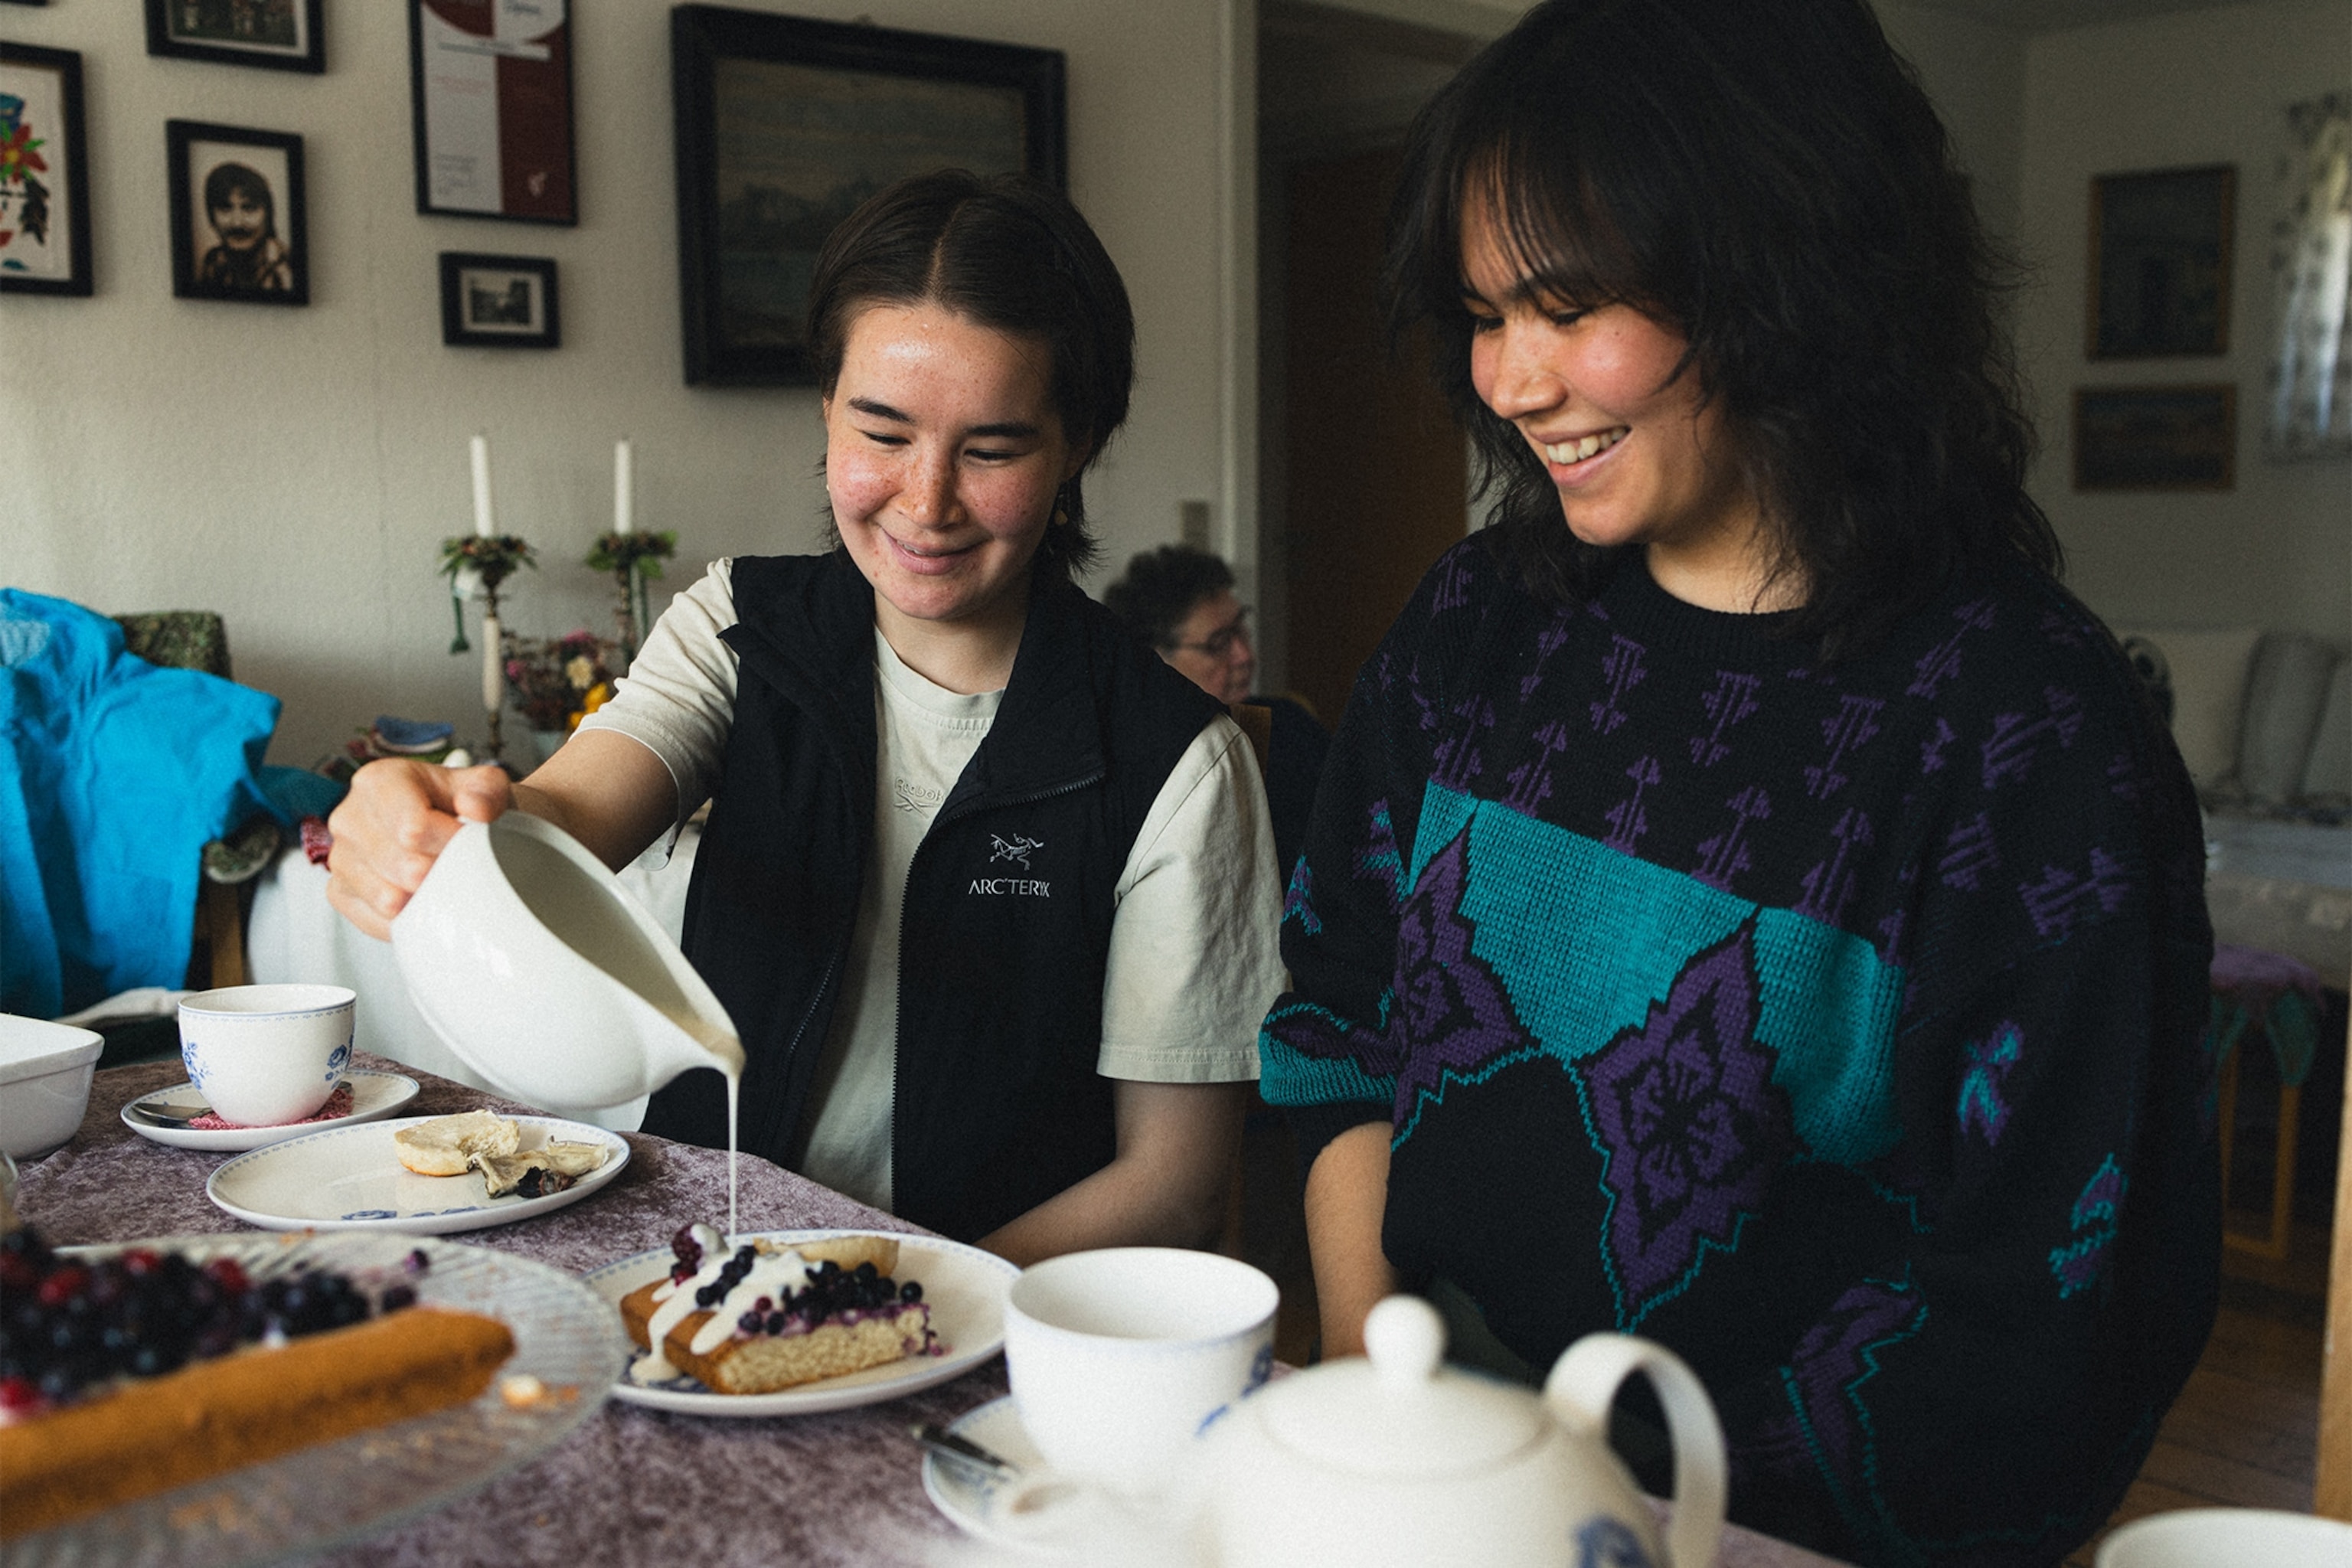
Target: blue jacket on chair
x,y
115,774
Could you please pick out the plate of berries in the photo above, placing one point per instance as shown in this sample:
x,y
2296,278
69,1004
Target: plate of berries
x,y
791,1322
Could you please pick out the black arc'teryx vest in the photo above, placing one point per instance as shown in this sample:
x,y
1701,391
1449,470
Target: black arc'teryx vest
x,y
1007,920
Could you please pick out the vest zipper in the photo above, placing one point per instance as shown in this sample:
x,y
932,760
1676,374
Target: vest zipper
x,y
898,1017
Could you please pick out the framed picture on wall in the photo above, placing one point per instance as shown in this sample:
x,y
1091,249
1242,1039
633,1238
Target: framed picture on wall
x,y
489,92
499,301
44,173
2156,437
784,125
2160,245
238,227
276,34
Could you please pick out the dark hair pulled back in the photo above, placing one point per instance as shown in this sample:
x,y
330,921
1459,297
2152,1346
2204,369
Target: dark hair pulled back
x,y
1010,253
1771,182
1161,587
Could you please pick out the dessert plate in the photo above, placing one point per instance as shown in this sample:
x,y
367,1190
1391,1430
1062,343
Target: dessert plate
x,y
964,1286
374,1095
351,1178
563,1336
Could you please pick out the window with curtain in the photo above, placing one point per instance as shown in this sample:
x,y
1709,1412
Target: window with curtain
x,y
2311,269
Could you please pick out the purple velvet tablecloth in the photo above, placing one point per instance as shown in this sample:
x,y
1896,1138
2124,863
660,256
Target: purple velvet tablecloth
x,y
633,1485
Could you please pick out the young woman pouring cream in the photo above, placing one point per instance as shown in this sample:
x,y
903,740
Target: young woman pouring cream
x,y
986,887
1749,902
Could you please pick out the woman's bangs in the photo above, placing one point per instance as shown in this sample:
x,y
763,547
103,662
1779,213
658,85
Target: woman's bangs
x,y
1552,224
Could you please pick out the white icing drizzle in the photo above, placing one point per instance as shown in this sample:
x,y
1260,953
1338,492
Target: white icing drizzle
x,y
771,1275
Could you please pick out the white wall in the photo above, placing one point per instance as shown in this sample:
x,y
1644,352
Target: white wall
x,y
2203,88
1975,74
296,469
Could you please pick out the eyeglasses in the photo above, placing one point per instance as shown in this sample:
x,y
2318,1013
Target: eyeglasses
x,y
1219,643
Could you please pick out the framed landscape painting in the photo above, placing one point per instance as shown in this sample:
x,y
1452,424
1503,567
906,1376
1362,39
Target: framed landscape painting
x,y
2156,437
44,173
784,125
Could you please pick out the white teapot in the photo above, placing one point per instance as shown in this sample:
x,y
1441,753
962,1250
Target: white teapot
x,y
1399,1460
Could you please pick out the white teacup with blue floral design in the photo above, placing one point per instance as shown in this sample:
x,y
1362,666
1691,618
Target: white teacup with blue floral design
x,y
263,1056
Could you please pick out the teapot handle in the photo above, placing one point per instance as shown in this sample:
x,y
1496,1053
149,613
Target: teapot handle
x,y
1584,1382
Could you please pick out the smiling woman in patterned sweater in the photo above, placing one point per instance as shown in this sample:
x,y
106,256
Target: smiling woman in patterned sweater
x,y
1762,913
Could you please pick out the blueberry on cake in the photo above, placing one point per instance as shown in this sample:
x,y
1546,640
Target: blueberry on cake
x,y
769,1316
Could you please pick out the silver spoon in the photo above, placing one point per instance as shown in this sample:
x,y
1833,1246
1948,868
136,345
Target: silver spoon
x,y
172,1114
949,1444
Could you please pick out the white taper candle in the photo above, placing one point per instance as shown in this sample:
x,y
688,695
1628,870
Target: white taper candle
x,y
494,675
624,487
485,523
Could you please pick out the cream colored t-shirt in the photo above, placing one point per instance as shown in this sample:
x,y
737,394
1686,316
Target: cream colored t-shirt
x,y
1193,962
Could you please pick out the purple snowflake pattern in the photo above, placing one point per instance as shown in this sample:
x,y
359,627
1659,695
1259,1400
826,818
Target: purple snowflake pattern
x,y
1451,1011
1693,1126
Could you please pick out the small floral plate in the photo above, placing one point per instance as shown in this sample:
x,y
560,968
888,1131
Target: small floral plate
x,y
374,1095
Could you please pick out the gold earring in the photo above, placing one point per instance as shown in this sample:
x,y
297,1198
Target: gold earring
x,y
1061,508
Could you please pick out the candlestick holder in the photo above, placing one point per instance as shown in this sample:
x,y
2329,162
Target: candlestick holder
x,y
479,563
632,559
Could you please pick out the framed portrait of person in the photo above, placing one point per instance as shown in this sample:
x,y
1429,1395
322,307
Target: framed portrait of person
x,y
784,124
238,228
499,301
45,177
275,35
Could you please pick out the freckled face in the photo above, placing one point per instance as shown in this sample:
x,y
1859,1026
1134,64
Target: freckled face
x,y
943,453
1637,456
241,221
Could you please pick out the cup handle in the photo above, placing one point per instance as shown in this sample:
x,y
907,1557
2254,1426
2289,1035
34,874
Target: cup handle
x,y
1582,1384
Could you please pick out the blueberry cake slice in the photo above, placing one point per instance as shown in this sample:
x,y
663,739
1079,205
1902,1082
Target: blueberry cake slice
x,y
769,1316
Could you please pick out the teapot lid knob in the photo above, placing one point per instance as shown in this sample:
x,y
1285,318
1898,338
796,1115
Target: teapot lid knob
x,y
1405,1338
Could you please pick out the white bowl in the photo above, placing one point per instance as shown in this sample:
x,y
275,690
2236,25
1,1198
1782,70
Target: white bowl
x,y
44,1073
2228,1538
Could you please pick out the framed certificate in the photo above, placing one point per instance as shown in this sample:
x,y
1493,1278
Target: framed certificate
x,y
491,90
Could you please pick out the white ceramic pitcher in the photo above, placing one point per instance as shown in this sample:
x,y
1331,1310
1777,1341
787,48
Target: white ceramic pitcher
x,y
547,979
1398,1462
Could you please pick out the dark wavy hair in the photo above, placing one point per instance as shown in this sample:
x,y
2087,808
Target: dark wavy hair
x,y
1771,182
1161,587
1011,253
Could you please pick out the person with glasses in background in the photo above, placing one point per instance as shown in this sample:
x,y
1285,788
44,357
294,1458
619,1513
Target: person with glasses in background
x,y
1180,601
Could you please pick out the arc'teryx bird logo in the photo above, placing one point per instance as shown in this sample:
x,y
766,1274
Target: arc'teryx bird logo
x,y
1017,849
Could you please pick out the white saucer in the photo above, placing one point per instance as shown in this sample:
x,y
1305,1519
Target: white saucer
x,y
1034,1512
375,1094
351,1178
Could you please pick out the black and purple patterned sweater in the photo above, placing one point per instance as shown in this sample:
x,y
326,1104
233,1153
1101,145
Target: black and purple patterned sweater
x,y
1840,1028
